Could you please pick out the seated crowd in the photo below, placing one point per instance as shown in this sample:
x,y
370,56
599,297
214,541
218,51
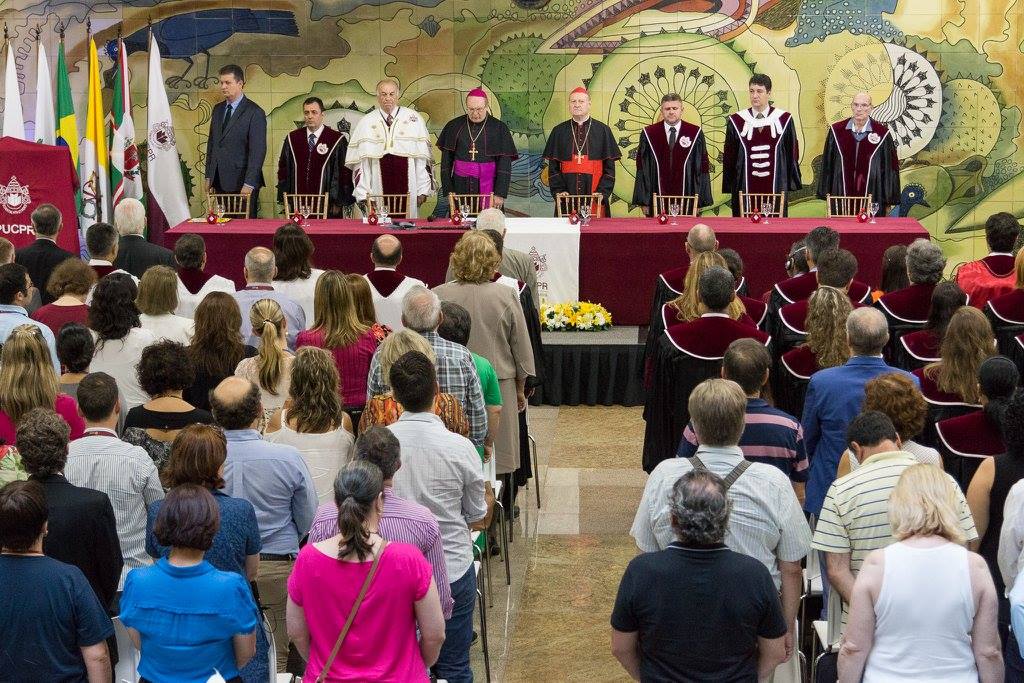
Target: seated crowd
x,y
222,479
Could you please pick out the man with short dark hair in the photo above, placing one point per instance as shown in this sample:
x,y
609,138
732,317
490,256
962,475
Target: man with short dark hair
x,y
101,461
696,609
401,520
237,142
441,471
81,527
387,286
43,255
819,241
16,291
194,283
312,161
994,275
836,269
275,479
101,239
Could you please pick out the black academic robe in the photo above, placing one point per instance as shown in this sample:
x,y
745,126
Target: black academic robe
x,y
857,169
581,159
909,305
683,172
494,145
791,329
789,382
1006,314
763,162
322,169
917,349
684,356
965,441
800,287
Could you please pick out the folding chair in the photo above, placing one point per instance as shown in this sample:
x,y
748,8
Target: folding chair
x,y
568,203
497,484
751,203
475,203
312,205
484,557
233,205
843,206
482,607
396,204
687,204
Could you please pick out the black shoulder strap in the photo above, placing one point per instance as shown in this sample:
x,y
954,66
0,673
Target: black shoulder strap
x,y
730,478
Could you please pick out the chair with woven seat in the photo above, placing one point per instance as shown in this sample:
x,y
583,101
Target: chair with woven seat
x,y
687,204
566,204
397,205
232,204
313,205
841,206
753,202
475,203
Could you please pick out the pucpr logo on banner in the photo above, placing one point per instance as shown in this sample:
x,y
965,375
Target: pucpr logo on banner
x,y
540,264
162,136
14,198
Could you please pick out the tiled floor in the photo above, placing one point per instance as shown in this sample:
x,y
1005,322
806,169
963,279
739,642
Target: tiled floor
x,y
567,558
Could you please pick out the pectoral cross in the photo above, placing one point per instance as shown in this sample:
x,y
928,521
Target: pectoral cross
x,y
579,157
472,152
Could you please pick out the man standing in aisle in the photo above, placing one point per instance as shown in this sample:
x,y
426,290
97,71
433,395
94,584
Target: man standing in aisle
x,y
477,152
389,152
581,153
237,143
761,151
313,161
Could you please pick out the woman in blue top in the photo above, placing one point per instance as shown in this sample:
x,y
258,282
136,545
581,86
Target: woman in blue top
x,y
188,619
197,457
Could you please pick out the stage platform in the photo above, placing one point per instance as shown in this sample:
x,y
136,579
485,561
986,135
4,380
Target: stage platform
x,y
618,258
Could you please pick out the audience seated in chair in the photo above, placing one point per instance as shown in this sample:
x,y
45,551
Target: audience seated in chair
x,y
756,309
700,239
917,349
994,275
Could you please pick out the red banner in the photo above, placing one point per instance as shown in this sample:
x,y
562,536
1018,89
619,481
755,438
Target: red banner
x,y
32,174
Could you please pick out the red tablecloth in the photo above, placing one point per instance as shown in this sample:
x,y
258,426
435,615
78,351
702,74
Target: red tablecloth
x,y
619,257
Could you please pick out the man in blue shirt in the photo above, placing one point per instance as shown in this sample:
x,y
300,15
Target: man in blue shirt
x,y
259,271
16,292
276,480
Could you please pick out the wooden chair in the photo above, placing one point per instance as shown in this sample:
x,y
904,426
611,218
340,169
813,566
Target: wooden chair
x,y
234,205
475,202
396,204
840,206
687,204
751,203
315,204
567,203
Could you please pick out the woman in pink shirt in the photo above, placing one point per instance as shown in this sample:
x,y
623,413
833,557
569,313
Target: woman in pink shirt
x,y
381,644
28,381
337,328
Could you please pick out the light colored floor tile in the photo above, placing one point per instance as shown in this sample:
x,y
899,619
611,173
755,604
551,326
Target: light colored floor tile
x,y
558,523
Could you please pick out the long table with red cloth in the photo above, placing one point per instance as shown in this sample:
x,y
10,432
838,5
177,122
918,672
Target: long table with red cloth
x,y
619,257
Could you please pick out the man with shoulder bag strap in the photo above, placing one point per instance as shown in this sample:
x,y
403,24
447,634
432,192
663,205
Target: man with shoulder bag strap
x,y
765,521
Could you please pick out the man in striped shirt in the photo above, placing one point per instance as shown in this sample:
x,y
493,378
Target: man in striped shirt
x,y
402,520
770,435
855,517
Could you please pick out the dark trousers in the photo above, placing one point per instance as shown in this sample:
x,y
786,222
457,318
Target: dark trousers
x,y
453,662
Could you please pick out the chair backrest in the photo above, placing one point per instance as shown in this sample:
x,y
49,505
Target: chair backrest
x,y
567,203
474,203
758,202
313,205
396,204
687,204
839,206
234,205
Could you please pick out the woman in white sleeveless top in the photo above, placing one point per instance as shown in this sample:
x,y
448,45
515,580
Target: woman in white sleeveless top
x,y
924,608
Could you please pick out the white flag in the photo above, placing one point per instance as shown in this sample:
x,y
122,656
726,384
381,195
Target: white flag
x,y
14,119
163,175
46,124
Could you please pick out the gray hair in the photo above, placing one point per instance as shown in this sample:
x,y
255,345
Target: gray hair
x,y
925,262
699,508
260,264
866,331
421,310
130,217
491,219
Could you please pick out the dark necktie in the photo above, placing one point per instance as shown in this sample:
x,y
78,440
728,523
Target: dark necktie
x,y
227,115
759,116
388,120
671,143
312,141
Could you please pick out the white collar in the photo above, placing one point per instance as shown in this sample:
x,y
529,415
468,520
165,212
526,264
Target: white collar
x,y
772,118
580,123
100,431
316,133
999,253
99,262
669,126
714,315
385,268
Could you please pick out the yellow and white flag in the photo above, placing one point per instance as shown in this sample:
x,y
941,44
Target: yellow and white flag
x,y
93,168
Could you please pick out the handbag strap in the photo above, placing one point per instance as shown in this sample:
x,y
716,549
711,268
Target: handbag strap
x,y
352,614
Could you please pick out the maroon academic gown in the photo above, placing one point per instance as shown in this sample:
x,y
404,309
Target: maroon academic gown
x,y
858,168
317,171
765,163
683,170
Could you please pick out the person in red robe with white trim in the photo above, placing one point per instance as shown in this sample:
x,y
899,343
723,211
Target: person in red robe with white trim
x,y
312,161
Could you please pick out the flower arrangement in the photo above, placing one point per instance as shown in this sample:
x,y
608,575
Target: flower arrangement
x,y
575,316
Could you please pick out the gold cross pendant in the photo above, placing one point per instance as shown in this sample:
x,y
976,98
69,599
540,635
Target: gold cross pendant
x,y
472,152
579,157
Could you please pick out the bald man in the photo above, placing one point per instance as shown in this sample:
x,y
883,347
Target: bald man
x,y
259,271
669,284
389,152
860,158
387,285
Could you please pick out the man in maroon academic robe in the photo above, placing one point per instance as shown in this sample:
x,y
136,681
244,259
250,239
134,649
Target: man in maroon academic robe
x,y
761,152
313,161
994,275
672,159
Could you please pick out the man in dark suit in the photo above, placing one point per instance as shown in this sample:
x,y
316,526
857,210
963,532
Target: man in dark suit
x,y
237,144
81,528
43,255
135,253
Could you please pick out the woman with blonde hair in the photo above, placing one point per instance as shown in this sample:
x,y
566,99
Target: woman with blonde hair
x,y
271,369
338,329
363,298
69,284
313,420
157,300
383,409
29,381
826,345
923,608
967,344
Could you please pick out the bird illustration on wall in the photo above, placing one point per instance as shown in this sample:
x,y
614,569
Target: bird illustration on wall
x,y
912,195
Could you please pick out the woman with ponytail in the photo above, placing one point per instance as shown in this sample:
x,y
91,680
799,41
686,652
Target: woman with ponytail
x,y
271,368
398,592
